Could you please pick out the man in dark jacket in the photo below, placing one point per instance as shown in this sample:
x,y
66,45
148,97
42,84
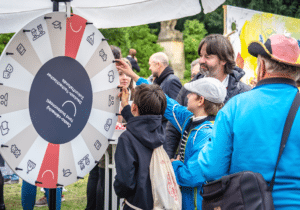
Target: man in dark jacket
x,y
135,146
216,60
164,76
133,60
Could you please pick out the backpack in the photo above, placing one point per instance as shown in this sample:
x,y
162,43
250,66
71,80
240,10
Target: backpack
x,y
165,190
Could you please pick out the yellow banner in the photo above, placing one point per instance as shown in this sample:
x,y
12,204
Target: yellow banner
x,y
251,25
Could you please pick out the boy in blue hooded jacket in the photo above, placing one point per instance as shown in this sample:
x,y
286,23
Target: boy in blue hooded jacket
x,y
195,123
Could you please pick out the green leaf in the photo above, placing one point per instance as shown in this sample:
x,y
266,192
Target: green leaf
x,y
193,33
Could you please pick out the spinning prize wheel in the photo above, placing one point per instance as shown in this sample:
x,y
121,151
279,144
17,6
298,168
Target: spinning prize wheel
x,y
58,99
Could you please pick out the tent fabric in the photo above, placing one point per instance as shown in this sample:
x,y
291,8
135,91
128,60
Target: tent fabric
x,y
136,13
13,22
14,14
210,6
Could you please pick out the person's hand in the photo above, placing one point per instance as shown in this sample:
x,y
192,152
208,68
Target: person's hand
x,y
124,96
125,68
178,158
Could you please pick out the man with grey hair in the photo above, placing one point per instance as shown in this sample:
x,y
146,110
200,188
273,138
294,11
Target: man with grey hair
x,y
164,76
249,128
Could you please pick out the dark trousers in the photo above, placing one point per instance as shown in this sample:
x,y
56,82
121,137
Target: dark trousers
x,y
1,189
95,189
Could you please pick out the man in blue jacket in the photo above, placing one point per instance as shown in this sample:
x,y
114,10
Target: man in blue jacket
x,y
194,122
248,130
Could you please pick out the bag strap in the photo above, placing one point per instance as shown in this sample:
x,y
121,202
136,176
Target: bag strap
x,y
132,206
286,132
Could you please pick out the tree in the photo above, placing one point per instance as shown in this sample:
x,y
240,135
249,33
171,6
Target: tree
x,y
214,21
193,33
141,38
4,39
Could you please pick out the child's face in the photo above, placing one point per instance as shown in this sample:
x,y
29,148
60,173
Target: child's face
x,y
193,102
124,79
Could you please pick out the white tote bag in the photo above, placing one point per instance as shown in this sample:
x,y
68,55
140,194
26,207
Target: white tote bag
x,y
165,190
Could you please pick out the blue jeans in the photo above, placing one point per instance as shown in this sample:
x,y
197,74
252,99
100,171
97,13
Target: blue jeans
x,y
28,194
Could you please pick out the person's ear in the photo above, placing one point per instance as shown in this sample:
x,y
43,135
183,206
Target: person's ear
x,y
158,64
223,63
200,101
134,109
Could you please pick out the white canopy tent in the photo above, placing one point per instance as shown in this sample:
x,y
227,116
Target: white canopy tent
x,y
14,14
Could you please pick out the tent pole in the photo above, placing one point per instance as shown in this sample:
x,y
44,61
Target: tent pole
x,y
55,6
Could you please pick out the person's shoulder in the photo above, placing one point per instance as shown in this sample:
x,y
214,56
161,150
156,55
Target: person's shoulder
x,y
130,59
172,78
243,87
206,126
126,137
240,101
236,76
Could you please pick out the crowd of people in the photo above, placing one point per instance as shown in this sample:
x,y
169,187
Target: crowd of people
x,y
216,126
212,126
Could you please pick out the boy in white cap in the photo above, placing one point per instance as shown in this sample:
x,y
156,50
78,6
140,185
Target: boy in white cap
x,y
195,124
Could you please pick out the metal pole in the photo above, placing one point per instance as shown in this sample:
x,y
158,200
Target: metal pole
x,y
52,192
52,199
55,6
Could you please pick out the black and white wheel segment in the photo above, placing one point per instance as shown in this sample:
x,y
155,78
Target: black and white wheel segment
x,y
58,101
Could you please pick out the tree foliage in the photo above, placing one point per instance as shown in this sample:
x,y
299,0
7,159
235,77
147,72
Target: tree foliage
x,y
214,21
141,38
193,33
4,39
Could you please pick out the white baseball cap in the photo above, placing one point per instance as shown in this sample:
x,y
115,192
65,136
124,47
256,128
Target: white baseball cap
x,y
210,88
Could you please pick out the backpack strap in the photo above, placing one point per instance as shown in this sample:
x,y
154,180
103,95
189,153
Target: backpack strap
x,y
286,132
131,206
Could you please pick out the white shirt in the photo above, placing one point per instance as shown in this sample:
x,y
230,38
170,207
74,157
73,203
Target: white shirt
x,y
198,118
225,81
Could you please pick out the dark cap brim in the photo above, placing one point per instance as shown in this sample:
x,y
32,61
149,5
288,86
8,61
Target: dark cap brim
x,y
257,48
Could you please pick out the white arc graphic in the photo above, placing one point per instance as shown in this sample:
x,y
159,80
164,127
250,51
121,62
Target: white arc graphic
x,y
74,30
75,111
48,171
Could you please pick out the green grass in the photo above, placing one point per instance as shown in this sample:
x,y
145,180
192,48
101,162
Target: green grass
x,y
75,196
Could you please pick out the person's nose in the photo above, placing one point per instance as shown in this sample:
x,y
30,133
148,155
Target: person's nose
x,y
201,60
126,76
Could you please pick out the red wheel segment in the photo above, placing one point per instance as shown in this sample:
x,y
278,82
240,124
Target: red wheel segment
x,y
75,29
48,173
